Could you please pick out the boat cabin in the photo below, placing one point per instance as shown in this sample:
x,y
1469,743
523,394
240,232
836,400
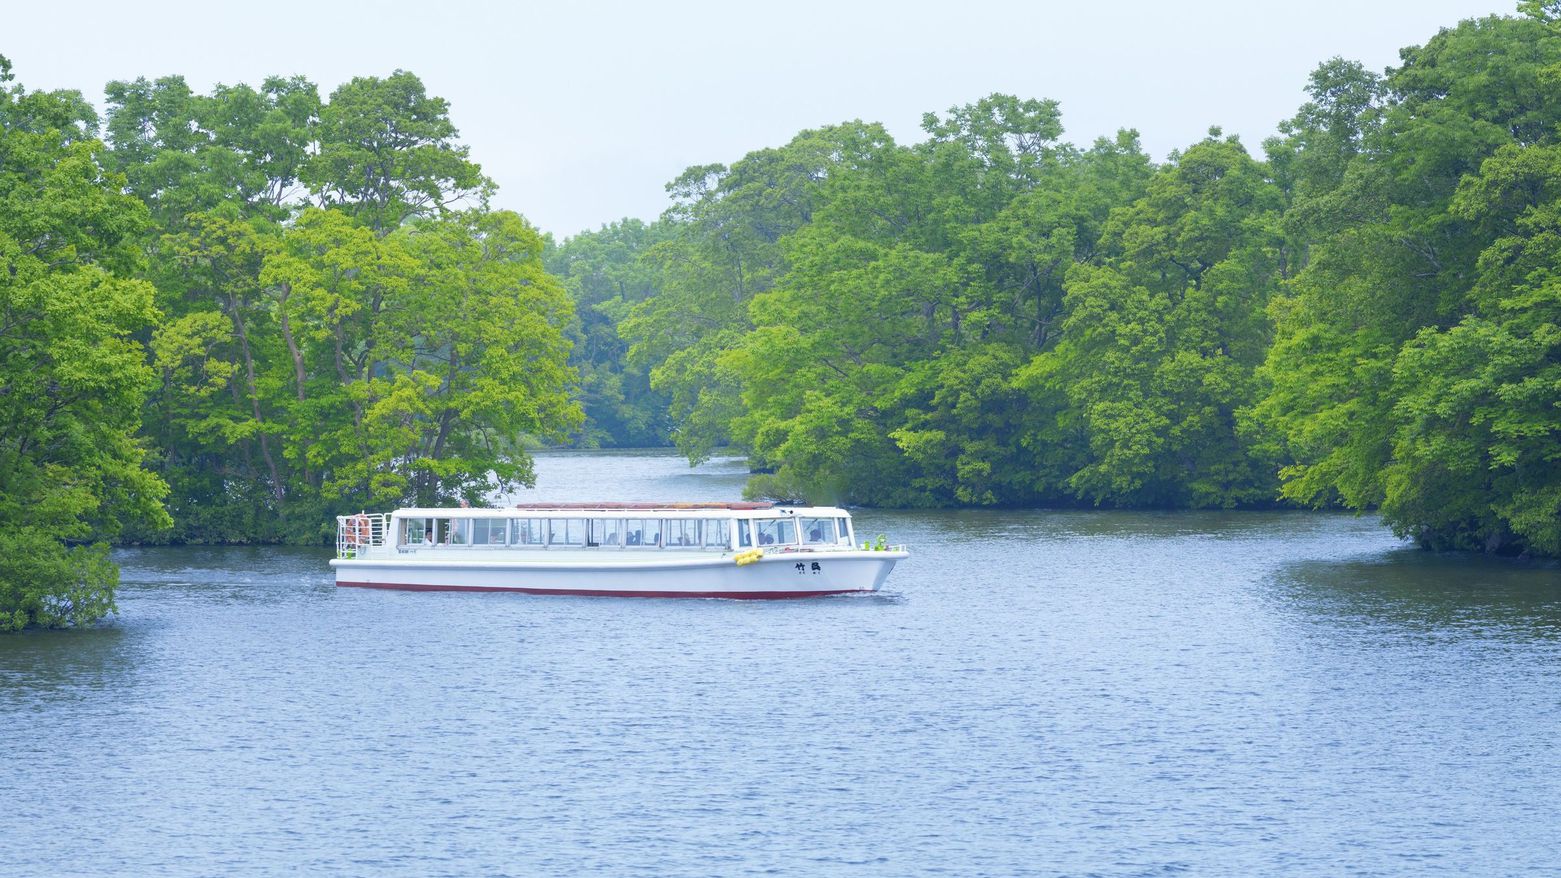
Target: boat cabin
x,y
670,527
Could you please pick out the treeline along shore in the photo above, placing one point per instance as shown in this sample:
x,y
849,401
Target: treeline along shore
x,y
1363,314
228,317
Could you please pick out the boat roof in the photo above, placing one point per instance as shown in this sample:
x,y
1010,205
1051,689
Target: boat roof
x,y
741,504
696,509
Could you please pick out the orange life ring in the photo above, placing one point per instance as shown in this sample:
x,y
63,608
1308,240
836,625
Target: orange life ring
x,y
358,530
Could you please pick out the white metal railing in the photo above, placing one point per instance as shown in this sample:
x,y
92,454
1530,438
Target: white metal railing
x,y
355,533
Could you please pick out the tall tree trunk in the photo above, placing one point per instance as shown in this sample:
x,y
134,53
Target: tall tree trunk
x,y
277,489
292,343
299,374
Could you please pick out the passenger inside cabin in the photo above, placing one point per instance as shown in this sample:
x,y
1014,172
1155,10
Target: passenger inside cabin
x,y
681,533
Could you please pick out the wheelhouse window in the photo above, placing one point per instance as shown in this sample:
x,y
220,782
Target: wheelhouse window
x,y
605,532
526,531
566,532
644,533
488,531
717,533
744,533
777,531
843,531
817,531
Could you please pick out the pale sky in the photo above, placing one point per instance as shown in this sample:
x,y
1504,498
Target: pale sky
x,y
583,112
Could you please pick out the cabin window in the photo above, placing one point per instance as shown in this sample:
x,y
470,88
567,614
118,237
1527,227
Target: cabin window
x,y
817,531
718,533
415,532
566,531
452,531
777,532
681,533
642,532
605,532
843,531
525,531
488,532
744,533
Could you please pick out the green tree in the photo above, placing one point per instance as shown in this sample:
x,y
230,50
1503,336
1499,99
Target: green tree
x,y
425,355
606,274
1399,375
383,347
72,377
1477,413
184,153
217,417
387,153
723,248
1162,338
881,368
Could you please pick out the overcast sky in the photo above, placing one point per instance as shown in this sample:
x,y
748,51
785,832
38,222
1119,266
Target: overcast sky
x,y
582,112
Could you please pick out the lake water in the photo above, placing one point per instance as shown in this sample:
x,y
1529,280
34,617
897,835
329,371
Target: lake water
x,y
1036,693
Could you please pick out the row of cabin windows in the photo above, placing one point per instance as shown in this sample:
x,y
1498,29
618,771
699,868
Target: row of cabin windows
x,y
786,531
670,533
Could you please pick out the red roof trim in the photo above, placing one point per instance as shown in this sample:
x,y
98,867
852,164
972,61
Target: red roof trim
x,y
740,505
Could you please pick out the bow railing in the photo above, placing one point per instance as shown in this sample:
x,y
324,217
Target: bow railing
x,y
356,533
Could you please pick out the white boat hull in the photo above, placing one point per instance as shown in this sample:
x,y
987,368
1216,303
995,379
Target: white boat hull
x,y
780,575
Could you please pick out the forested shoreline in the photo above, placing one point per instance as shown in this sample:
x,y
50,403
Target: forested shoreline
x,y
1362,315
246,312
229,317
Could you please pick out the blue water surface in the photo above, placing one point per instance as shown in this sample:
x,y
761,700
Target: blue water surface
x,y
1036,693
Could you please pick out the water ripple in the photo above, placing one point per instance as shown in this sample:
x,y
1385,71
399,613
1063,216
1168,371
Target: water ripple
x,y
1037,693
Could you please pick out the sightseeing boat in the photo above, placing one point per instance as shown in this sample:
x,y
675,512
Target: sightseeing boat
x,y
703,550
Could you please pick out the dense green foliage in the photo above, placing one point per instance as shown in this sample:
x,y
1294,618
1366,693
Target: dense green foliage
x,y
1366,314
344,323
1416,366
307,303
991,316
72,377
606,276
246,311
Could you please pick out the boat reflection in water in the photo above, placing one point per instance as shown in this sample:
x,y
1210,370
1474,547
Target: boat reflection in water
x,y
708,550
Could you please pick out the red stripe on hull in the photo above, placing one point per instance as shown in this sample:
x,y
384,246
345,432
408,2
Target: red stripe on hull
x,y
607,593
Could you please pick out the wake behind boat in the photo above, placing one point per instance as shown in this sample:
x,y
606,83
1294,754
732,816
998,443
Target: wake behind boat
x,y
708,550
